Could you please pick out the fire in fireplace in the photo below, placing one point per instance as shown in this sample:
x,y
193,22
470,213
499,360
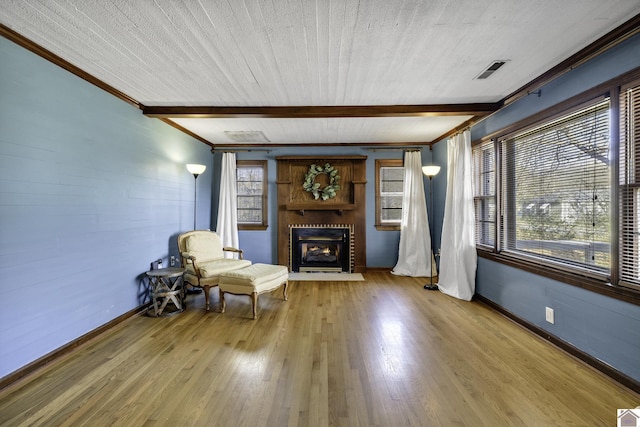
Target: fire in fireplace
x,y
325,249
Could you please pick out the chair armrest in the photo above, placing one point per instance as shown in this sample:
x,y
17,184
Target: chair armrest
x,y
240,252
186,258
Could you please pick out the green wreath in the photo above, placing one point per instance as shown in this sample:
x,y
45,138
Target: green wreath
x,y
328,192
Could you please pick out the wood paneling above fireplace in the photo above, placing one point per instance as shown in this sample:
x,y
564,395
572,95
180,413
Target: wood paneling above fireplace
x,y
297,206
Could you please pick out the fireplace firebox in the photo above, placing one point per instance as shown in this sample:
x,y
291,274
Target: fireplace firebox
x,y
323,249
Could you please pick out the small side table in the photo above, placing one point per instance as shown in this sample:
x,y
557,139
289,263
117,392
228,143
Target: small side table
x,y
166,284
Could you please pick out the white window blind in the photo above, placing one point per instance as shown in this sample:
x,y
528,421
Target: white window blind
x,y
391,191
250,181
484,196
556,190
629,185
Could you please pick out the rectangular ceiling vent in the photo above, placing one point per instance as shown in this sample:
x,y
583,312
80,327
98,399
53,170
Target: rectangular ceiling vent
x,y
254,136
495,65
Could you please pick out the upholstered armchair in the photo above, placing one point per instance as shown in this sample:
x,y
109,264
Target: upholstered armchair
x,y
202,256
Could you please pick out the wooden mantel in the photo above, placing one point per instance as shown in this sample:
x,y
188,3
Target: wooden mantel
x,y
297,206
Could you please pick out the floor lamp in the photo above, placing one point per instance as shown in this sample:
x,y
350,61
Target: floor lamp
x,y
195,170
431,171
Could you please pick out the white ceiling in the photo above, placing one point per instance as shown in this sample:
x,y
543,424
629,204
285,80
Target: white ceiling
x,y
283,53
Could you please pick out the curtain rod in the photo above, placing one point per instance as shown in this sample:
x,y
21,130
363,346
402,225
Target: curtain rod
x,y
239,150
395,149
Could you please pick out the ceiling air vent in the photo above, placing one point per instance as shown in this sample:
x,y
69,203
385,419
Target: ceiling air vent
x,y
254,136
495,65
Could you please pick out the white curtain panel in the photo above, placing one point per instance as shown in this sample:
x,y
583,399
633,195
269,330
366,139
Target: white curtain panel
x,y
458,259
227,226
415,239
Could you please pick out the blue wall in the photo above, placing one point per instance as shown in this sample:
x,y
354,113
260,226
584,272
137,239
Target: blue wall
x,y
606,328
91,192
603,327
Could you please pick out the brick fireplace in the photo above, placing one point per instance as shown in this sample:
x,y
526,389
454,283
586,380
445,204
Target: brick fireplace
x,y
316,234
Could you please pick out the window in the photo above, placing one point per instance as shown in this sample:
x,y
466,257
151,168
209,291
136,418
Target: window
x,y
484,193
251,178
558,194
629,186
555,192
389,190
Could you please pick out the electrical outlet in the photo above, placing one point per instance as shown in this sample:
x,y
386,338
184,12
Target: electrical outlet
x,y
173,260
549,315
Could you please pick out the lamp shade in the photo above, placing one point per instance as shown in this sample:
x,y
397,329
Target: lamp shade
x,y
196,169
431,170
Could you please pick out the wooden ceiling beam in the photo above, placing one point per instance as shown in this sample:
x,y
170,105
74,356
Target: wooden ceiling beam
x,y
209,112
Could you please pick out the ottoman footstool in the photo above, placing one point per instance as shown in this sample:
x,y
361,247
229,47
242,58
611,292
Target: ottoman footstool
x,y
253,281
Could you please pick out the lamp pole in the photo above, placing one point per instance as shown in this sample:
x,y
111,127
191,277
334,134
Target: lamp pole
x,y
196,170
430,171
195,198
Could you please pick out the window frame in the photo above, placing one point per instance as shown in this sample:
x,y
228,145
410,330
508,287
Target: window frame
x,y
480,197
609,284
384,163
263,165
627,187
509,215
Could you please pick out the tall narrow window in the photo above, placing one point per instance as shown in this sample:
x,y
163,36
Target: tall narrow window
x,y
252,194
557,190
389,190
629,185
484,193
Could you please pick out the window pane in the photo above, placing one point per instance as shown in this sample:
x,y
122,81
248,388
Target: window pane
x,y
557,190
250,186
629,186
484,193
391,202
391,187
391,215
250,216
392,173
249,174
485,210
391,208
249,202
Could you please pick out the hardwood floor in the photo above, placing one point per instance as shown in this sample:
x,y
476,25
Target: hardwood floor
x,y
384,352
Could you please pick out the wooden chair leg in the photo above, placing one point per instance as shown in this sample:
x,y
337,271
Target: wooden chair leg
x,y
254,304
284,290
206,297
223,303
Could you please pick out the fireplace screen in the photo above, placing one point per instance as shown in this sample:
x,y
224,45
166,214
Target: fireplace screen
x,y
320,249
